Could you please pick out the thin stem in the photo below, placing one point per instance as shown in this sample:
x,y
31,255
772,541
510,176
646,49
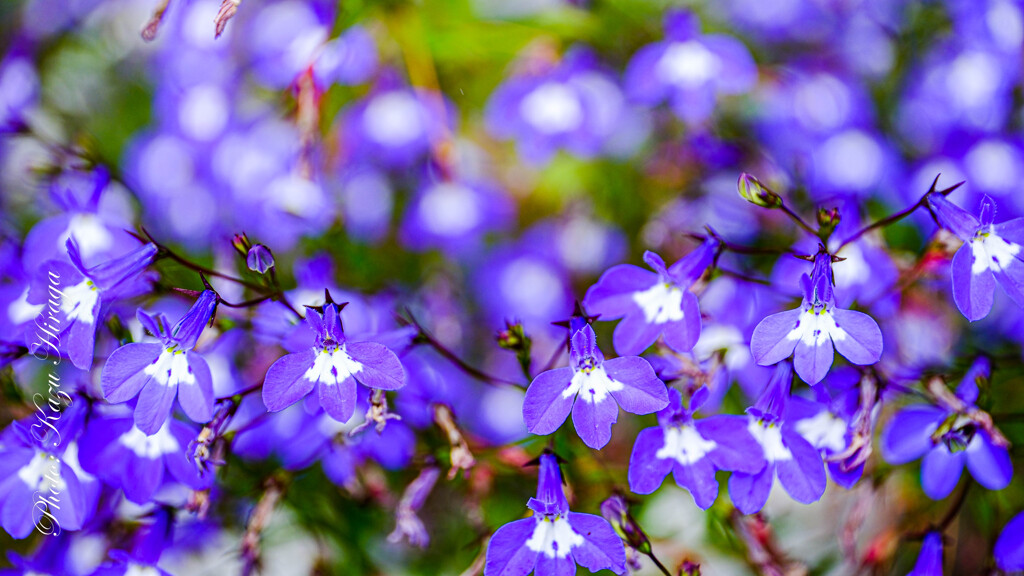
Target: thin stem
x,y
958,503
739,248
247,303
428,339
800,221
892,219
658,563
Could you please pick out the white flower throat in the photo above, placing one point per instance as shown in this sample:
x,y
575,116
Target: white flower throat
x,y
661,303
593,385
171,368
685,445
333,365
554,537
992,253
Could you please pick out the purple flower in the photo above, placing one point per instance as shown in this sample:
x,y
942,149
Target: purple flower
x,y
693,450
574,106
37,486
1009,550
259,259
652,304
689,70
157,372
810,331
789,456
122,455
929,561
826,425
554,540
81,292
333,363
948,440
593,389
990,253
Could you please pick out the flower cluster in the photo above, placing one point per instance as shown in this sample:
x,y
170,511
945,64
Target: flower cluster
x,y
341,272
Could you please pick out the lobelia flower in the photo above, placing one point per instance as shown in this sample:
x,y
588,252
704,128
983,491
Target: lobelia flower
x,y
948,440
1009,550
122,455
689,69
787,454
83,292
92,215
929,561
693,450
334,365
810,331
554,540
593,389
37,488
157,372
990,253
652,304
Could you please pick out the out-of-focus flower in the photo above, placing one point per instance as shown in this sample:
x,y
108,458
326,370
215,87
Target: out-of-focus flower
x,y
1009,550
929,561
948,440
689,70
652,304
80,293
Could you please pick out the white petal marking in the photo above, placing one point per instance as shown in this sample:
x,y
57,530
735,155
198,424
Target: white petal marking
x,y
150,447
552,108
42,473
769,436
824,430
660,303
555,538
685,445
814,329
687,64
592,384
992,253
79,300
171,368
333,366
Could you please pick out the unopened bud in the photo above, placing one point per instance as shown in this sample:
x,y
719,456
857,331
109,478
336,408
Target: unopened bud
x,y
514,338
241,244
259,259
616,511
755,192
828,219
689,569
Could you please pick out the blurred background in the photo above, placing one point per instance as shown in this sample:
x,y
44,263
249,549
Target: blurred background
x,y
484,161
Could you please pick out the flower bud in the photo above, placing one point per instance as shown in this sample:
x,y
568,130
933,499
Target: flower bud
x,y
259,259
241,244
689,569
828,220
616,511
756,193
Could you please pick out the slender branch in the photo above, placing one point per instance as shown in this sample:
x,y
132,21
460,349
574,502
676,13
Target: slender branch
x,y
658,563
246,303
892,219
426,338
800,221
